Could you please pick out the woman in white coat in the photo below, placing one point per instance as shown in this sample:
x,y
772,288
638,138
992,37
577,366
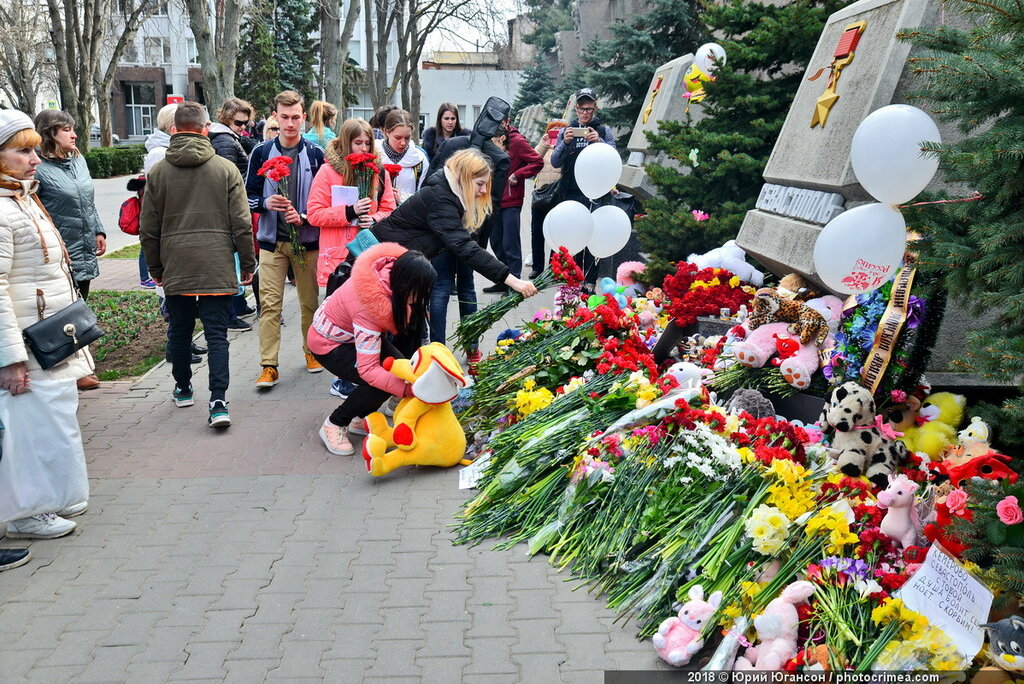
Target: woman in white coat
x,y
35,282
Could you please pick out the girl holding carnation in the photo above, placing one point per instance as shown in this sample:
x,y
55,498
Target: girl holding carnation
x,y
339,224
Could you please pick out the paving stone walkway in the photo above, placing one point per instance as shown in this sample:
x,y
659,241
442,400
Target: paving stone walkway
x,y
254,555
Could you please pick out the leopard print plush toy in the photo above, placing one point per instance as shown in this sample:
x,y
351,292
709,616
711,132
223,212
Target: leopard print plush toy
x,y
770,307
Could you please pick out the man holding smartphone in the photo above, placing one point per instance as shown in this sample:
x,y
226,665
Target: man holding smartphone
x,y
582,131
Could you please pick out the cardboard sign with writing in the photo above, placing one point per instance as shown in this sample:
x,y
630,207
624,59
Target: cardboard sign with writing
x,y
951,598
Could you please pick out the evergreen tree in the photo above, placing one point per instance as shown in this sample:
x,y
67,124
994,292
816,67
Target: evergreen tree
x,y
548,17
535,86
973,79
256,76
767,47
295,24
620,68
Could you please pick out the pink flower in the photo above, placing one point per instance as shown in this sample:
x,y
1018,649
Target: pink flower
x,y
899,396
1009,511
956,502
699,215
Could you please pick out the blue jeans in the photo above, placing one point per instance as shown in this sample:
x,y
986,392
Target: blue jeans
x,y
452,274
143,269
214,311
505,240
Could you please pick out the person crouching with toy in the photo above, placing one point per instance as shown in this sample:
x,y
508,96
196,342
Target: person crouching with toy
x,y
377,313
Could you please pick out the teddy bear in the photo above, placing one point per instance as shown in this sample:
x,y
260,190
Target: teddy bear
x,y
797,360
776,630
975,438
732,258
934,429
863,444
678,638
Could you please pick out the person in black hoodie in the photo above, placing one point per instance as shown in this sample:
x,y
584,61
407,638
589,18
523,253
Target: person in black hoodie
x,y
445,213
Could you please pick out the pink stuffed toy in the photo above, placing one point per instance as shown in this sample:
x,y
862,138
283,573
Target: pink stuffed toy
x,y
678,638
776,630
799,366
900,521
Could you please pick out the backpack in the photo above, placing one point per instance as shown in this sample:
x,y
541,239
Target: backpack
x,y
128,219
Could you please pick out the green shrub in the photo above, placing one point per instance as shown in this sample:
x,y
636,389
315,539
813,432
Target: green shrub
x,y
105,162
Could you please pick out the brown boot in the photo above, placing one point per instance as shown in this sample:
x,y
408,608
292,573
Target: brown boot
x,y
89,382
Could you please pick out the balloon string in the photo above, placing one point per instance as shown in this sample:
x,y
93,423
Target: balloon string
x,y
975,196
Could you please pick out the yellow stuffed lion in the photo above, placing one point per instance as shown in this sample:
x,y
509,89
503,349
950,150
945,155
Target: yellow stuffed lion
x,y
426,431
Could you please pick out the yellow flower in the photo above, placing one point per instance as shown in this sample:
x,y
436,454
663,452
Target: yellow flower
x,y
734,281
732,610
529,400
746,455
786,470
888,611
529,384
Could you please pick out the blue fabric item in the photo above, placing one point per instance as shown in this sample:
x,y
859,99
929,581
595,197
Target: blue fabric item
x,y
452,275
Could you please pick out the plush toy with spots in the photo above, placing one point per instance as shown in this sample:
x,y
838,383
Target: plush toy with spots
x,y
863,444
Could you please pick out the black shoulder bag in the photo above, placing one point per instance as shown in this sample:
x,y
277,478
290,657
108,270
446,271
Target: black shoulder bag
x,y
60,336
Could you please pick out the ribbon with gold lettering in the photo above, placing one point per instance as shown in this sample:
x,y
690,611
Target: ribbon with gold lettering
x,y
889,328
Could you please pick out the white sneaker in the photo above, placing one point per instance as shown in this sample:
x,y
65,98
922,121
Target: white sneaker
x,y
42,526
528,261
73,510
389,408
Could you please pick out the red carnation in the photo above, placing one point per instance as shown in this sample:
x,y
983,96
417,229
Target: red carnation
x,y
393,169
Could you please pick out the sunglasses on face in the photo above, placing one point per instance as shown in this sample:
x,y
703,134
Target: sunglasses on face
x,y
241,123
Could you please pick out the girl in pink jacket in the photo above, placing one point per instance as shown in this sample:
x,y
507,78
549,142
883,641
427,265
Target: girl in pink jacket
x,y
387,294
339,224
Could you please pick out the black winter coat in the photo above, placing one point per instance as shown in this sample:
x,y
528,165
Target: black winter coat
x,y
500,161
226,144
431,221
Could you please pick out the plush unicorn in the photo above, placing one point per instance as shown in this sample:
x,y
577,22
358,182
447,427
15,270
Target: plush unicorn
x,y
426,431
678,638
900,521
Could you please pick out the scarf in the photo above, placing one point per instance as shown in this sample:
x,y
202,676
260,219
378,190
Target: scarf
x,y
453,181
395,157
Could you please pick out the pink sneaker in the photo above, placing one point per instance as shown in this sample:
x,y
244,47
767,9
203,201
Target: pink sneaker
x,y
336,439
358,427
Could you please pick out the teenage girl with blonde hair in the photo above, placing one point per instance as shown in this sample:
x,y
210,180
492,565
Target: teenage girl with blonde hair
x,y
445,214
322,118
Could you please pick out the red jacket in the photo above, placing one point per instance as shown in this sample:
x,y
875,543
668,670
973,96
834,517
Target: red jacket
x,y
524,164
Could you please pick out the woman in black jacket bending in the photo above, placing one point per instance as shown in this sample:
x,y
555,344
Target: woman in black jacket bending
x,y
444,214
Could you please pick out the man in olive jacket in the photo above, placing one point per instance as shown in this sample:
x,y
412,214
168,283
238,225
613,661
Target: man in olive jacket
x,y
195,220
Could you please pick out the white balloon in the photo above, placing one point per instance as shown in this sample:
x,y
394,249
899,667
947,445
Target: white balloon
x,y
597,170
611,231
709,57
569,225
859,250
886,153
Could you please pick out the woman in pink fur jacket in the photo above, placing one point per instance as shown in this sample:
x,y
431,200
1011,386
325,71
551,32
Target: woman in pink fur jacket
x,y
387,294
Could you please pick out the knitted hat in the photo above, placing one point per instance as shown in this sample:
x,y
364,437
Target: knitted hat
x,y
12,121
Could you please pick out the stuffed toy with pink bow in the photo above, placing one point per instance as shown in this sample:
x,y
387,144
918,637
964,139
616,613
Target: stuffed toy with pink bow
x,y
678,638
777,630
793,332
862,443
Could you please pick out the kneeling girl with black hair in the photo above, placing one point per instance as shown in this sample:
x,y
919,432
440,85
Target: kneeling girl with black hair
x,y
387,294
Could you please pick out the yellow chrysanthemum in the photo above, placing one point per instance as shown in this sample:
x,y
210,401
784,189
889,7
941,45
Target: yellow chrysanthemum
x,y
734,281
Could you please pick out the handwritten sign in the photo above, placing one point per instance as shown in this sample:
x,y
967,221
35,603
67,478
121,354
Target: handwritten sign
x,y
951,598
470,475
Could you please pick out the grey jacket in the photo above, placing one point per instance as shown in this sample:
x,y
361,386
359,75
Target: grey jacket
x,y
67,192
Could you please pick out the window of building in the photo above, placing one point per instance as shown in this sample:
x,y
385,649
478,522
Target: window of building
x,y
158,50
140,107
466,123
161,9
131,53
193,54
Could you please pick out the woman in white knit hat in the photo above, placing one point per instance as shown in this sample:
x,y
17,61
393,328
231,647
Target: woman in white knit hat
x,y
42,469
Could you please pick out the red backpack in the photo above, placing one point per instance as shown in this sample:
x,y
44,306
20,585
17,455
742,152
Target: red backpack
x,y
128,220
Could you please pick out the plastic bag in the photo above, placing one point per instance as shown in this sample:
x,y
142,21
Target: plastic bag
x,y
42,469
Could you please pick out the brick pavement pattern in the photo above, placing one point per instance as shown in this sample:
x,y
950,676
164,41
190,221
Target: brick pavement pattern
x,y
253,554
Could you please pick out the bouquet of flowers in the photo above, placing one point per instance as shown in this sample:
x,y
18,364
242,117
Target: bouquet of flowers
x,y
471,328
277,169
703,291
364,168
